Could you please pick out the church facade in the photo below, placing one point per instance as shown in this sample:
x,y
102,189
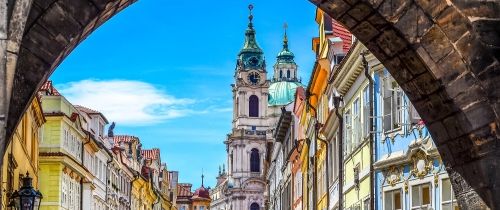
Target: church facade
x,y
257,103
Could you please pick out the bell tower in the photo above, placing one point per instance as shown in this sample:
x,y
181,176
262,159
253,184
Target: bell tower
x,y
251,85
246,143
285,68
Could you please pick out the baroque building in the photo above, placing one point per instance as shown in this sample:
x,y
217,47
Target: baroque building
x,y
257,106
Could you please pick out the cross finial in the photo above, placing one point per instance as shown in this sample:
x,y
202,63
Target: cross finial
x,y
285,37
250,16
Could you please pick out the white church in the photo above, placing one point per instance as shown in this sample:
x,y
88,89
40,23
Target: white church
x,y
257,103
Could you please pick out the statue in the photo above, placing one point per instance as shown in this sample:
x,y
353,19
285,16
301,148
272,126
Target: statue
x,y
110,129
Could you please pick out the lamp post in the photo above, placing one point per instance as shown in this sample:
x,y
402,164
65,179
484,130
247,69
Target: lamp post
x,y
27,198
337,103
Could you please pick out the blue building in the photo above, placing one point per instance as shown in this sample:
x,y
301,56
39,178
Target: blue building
x,y
409,173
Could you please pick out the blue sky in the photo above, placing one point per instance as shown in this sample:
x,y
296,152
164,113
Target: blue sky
x,y
162,70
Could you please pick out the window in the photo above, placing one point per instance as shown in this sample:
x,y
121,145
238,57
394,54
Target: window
x,y
347,132
420,196
288,74
101,129
392,103
393,200
321,181
254,161
448,201
366,204
253,106
356,123
281,74
254,206
297,191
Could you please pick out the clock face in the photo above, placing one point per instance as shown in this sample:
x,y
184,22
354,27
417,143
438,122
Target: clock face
x,y
253,61
253,78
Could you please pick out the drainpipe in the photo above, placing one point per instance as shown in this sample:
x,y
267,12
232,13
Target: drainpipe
x,y
370,134
341,156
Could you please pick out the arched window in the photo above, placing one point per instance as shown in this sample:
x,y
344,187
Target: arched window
x,y
254,206
255,161
253,104
288,74
281,74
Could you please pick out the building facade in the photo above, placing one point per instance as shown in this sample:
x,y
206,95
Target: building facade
x,y
409,171
61,154
21,155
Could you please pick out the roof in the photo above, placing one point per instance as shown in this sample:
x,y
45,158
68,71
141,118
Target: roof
x,y
282,93
201,192
90,111
152,154
124,138
49,89
184,189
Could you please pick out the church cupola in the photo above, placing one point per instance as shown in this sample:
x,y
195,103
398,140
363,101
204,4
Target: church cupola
x,y
251,55
285,68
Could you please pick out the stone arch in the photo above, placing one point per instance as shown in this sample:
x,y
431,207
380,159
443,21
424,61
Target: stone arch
x,y
444,54
53,29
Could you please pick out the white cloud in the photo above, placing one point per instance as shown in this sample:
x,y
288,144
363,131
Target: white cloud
x,y
127,102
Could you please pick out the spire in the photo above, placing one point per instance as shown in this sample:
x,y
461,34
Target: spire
x,y
250,16
220,171
285,37
202,177
285,56
250,46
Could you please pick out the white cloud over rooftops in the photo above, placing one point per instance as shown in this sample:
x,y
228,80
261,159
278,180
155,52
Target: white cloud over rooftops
x,y
127,102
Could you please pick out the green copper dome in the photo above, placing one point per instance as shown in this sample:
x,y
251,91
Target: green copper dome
x,y
282,93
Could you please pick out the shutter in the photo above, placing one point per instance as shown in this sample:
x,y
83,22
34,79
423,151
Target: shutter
x,y
414,116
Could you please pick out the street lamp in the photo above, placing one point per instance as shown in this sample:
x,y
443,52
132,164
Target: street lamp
x,y
27,198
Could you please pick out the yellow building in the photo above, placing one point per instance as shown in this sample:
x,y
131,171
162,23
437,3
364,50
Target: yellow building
x,y
317,111
21,154
61,158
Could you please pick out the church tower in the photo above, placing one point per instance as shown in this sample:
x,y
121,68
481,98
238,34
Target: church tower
x,y
285,68
246,144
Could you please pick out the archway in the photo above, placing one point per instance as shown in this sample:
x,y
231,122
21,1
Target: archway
x,y
444,54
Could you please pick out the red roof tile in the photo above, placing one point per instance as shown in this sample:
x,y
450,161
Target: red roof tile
x,y
124,138
184,189
49,89
152,154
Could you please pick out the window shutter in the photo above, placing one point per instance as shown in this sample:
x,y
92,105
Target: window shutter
x,y
414,116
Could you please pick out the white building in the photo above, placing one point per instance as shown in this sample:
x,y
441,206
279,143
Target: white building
x,y
95,159
257,103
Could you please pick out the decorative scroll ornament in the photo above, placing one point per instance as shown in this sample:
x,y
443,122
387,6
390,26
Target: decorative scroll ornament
x,y
406,186
393,175
422,164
